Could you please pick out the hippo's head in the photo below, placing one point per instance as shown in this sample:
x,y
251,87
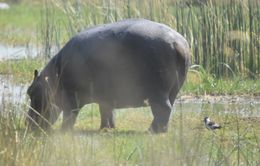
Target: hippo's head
x,y
40,107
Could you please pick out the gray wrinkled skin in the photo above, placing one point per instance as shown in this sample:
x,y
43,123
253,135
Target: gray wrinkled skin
x,y
130,63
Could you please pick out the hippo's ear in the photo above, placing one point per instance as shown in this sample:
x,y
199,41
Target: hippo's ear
x,y
35,74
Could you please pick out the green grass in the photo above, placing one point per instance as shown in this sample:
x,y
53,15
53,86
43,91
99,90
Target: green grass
x,y
237,143
21,70
19,25
209,85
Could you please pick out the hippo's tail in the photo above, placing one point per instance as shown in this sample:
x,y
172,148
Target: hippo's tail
x,y
183,57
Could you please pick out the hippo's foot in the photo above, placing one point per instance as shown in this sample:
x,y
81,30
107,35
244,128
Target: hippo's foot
x,y
158,128
107,116
106,130
66,128
107,125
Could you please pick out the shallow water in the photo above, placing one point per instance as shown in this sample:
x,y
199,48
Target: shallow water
x,y
8,52
240,109
10,92
17,52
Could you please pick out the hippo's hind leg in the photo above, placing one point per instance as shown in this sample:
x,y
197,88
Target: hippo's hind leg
x,y
161,109
173,95
107,116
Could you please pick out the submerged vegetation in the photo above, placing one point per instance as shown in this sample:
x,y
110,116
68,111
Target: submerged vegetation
x,y
225,45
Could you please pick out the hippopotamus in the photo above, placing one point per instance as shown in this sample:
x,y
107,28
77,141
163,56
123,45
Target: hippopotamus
x,y
130,63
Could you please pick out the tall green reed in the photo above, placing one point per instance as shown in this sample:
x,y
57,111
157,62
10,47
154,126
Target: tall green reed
x,y
223,32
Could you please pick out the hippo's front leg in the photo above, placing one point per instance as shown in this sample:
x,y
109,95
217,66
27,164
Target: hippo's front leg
x,y
69,119
107,116
70,111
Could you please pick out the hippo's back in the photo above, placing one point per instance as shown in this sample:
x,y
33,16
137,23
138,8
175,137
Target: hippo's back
x,y
142,29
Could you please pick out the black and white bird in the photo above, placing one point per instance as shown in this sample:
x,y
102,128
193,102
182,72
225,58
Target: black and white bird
x,y
210,125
